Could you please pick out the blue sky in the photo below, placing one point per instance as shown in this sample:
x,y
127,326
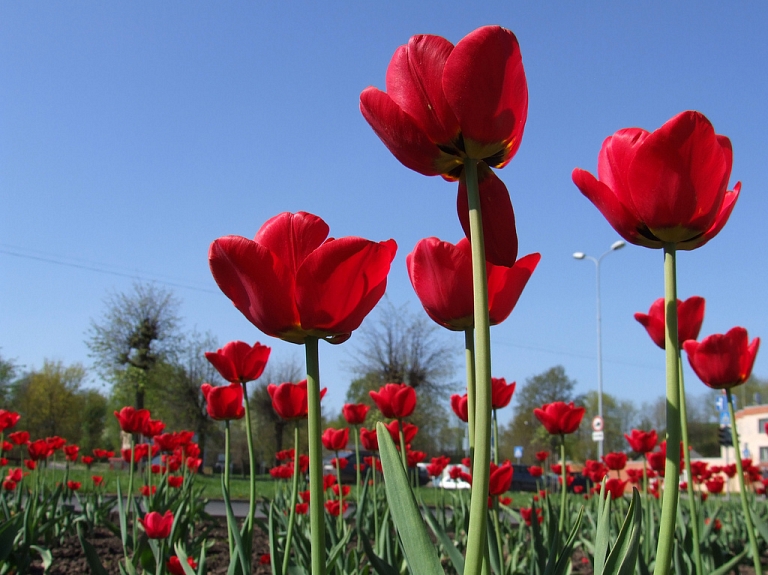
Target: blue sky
x,y
133,134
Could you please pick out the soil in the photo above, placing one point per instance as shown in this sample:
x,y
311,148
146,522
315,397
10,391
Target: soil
x,y
68,558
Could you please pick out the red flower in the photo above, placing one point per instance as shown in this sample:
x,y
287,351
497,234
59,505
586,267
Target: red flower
x,y
335,439
146,491
723,361
730,470
656,461
615,460
615,488
334,508
15,474
152,427
174,565
501,393
373,462
285,455
369,439
70,452
289,400
73,485
291,283
39,449
690,315
6,446
527,514
9,484
8,419
441,275
395,400
560,418
542,455
302,508
668,186
56,443
157,526
265,558
460,406
30,464
282,471
642,441
414,457
409,432
238,362
345,489
535,471
175,481
193,463
435,469
594,470
19,437
225,402
132,420
355,413
445,104
339,462
329,480
500,479
98,480
715,485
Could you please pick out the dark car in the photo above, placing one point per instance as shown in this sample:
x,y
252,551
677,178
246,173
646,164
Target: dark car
x,y
522,480
349,475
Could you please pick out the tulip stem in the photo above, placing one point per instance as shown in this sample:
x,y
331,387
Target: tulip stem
x,y
403,453
742,492
294,495
563,487
469,355
478,523
316,508
672,466
251,471
230,527
689,473
495,439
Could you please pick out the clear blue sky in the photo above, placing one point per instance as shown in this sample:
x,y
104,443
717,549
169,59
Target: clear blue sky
x,y
133,134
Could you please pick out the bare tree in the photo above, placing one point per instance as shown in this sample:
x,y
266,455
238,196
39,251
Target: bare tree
x,y
138,330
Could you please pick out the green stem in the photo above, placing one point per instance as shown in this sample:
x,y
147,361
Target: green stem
x,y
375,500
230,527
497,528
672,467
340,519
317,524
478,523
469,355
563,487
742,491
129,498
294,496
251,469
357,463
495,439
689,473
403,454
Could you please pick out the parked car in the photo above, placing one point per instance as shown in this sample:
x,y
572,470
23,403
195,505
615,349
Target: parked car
x,y
522,480
349,475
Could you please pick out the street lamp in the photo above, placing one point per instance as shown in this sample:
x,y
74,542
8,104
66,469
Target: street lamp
x,y
582,256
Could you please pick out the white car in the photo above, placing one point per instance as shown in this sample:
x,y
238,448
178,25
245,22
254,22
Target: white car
x,y
446,482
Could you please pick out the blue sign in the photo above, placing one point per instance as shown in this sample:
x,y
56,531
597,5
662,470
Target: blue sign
x,y
721,404
518,451
725,419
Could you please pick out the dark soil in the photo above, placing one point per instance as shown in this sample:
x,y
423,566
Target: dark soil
x,y
69,559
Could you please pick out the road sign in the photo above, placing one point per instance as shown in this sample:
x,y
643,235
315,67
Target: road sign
x,y
725,419
597,424
597,435
518,451
721,403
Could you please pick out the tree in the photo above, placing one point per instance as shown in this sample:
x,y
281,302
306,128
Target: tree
x,y
49,401
94,419
138,330
524,429
7,375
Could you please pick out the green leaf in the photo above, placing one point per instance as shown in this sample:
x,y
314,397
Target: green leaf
x,y
762,528
493,548
564,560
123,518
273,533
8,532
623,556
450,549
419,550
334,554
90,552
45,555
183,559
235,533
603,535
730,565
380,566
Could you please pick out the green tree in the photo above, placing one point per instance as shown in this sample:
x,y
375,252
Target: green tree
x,y
94,419
7,374
619,417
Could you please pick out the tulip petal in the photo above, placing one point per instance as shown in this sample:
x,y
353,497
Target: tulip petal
x,y
499,229
484,82
223,365
341,282
402,136
415,84
292,237
729,202
506,284
614,160
690,315
256,282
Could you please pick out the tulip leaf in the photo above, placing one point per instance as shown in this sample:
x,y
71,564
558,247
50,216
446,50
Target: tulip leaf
x,y
419,551
759,523
235,533
181,554
603,535
730,565
450,549
564,558
274,557
709,526
90,552
379,565
623,556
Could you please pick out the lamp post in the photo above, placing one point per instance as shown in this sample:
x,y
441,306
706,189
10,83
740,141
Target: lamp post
x,y
582,256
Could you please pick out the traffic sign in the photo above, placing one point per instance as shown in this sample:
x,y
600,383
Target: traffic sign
x,y
518,451
721,404
598,436
597,424
725,419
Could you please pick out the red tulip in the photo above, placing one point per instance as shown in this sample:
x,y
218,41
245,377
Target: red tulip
x,y
152,427
395,400
560,418
335,439
355,413
19,437
542,455
9,484
668,186
335,508
409,432
157,526
225,402
690,315
174,565
55,442
642,441
441,275
238,362
175,481
414,457
15,474
368,439
615,460
132,420
501,393
500,479
285,455
39,449
460,406
73,485
373,462
282,471
535,471
615,488
723,361
291,283
302,508
8,419
289,400
656,461
70,452
445,104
